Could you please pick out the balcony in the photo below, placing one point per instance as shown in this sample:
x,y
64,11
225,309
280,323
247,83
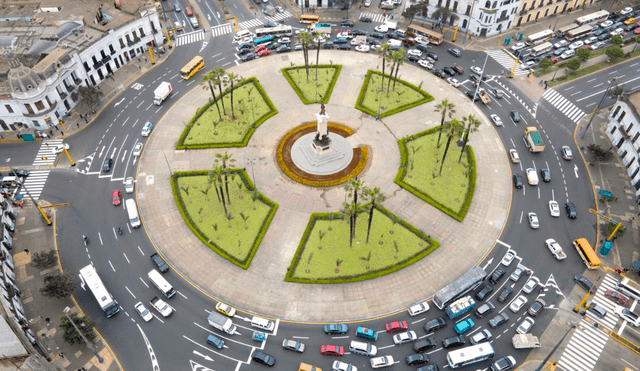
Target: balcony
x,y
69,88
503,19
523,12
489,10
106,59
42,113
76,80
63,95
97,65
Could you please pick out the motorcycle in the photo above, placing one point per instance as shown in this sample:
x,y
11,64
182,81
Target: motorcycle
x,y
120,231
85,239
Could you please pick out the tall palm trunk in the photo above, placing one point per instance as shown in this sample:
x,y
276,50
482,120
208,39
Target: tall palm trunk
x,y
317,59
395,78
390,74
464,143
221,97
226,186
441,126
373,205
214,99
444,155
233,116
224,204
384,61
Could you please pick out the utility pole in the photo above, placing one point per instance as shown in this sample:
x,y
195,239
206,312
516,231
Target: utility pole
x,y
597,109
28,194
573,325
66,314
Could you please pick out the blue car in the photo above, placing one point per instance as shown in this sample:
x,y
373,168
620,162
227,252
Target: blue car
x,y
336,328
340,40
463,326
366,333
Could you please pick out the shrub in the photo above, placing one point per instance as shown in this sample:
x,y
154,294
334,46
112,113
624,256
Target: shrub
x,y
584,53
573,64
545,63
614,52
359,103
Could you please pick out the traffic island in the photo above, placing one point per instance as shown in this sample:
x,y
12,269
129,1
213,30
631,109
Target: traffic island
x,y
313,84
327,254
449,186
225,211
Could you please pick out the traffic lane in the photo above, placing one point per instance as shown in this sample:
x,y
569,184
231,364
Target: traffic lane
x,y
22,154
239,9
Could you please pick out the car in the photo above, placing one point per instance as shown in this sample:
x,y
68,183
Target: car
x,y
247,45
497,121
355,42
176,8
415,52
603,37
496,275
344,47
381,28
263,52
459,70
366,19
129,185
515,116
475,69
297,47
21,172
508,258
606,24
347,23
430,367
143,312
536,307
529,64
229,311
636,31
377,35
425,64
454,82
448,70
627,315
263,358
496,93
531,284
188,11
438,73
283,49
559,51
423,47
472,95
583,282
554,209
505,294
485,308
629,28
599,32
270,24
566,153
572,211
362,48
404,337
284,40
534,223
515,276
503,364
590,40
328,45
340,40
366,333
517,304
106,165
486,290
137,150
435,324
545,174
115,197
554,60
498,320
626,11
453,342
279,9
395,326
379,362
340,366
423,345
568,54
419,308
618,31
517,180
413,58
525,325
455,52
597,309
360,32
416,359
331,350
513,155
336,328
617,297
60,148
532,177
481,337
560,44
249,56
463,326
518,46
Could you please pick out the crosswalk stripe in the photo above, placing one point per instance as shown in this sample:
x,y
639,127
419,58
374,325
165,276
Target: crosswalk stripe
x,y
500,56
189,38
564,105
280,16
222,29
35,183
46,150
584,348
375,17
250,23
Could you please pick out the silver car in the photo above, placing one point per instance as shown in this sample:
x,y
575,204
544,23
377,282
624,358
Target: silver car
x,y
137,150
534,223
129,185
296,346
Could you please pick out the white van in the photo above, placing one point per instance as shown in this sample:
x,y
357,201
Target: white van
x,y
242,34
194,22
162,284
262,323
132,211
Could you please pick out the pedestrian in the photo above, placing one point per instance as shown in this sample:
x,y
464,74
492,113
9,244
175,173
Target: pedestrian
x,y
139,60
145,59
78,125
81,115
47,144
50,132
85,120
61,354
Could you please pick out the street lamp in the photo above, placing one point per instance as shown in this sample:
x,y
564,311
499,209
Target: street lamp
x,y
165,158
28,194
66,314
544,361
469,24
597,109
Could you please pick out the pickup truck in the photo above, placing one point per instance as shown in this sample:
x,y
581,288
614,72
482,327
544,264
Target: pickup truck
x,y
525,341
555,249
484,96
161,306
533,140
160,263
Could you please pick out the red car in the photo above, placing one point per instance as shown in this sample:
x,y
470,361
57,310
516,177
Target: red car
x,y
617,297
116,197
395,326
263,52
332,350
188,11
554,60
636,31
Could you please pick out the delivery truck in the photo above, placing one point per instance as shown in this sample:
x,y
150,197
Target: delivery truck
x,y
221,322
161,93
533,140
525,341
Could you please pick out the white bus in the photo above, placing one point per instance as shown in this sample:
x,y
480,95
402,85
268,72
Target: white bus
x,y
132,211
459,287
539,37
91,280
277,31
629,287
578,33
162,284
561,31
541,49
242,34
593,17
469,355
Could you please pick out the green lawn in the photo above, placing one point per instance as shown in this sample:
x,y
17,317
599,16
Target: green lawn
x,y
450,192
373,100
330,259
236,239
311,90
251,108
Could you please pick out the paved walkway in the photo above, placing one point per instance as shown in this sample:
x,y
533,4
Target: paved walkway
x,y
261,288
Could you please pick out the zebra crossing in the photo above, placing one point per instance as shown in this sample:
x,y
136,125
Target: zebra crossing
x,y
609,321
250,24
375,17
222,29
45,154
34,183
584,348
280,16
189,38
507,61
569,109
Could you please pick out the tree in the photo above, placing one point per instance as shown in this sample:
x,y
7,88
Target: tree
x,y
90,95
412,11
454,126
59,286
399,57
600,154
224,159
232,78
614,52
472,124
219,74
442,14
70,335
207,82
383,52
573,64
352,187
583,53
616,40
373,196
306,39
217,174
445,107
45,259
348,213
393,56
319,42
545,63
212,181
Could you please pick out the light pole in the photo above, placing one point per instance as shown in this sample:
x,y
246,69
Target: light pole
x,y
573,325
66,314
597,109
28,194
466,35
169,166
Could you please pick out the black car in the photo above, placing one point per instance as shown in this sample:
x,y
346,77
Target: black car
x,y
450,71
270,24
505,294
603,37
422,47
422,345
630,27
359,32
498,320
435,57
438,73
283,48
249,46
245,51
536,307
546,175
428,368
344,47
496,275
393,35
417,359
21,172
248,56
584,282
517,180
572,212
263,358
598,33
347,23
160,263
472,95
453,342
377,35
328,45
435,324
275,46
474,79
486,290
459,70
485,308
515,116
106,165
366,19
413,58
559,51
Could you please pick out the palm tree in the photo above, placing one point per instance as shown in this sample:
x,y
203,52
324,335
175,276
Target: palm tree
x,y
472,124
455,126
207,82
348,213
374,196
393,56
383,52
319,43
444,107
306,39
224,159
211,180
352,187
401,57
232,78
217,174
219,74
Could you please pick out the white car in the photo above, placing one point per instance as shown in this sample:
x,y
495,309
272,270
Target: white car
x,y
404,337
532,177
146,129
591,40
529,64
137,150
508,258
419,308
424,63
415,52
531,285
128,185
226,309
279,9
367,3
143,312
576,45
525,325
497,121
248,39
513,154
476,70
363,48
627,315
534,223
382,28
626,10
59,149
284,40
379,362
597,45
568,54
518,46
517,304
554,208
618,31
341,366
606,24
454,82
560,44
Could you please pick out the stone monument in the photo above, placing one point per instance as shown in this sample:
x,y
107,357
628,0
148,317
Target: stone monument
x,y
322,142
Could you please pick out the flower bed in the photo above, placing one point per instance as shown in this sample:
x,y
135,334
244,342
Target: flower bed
x,y
320,85
376,103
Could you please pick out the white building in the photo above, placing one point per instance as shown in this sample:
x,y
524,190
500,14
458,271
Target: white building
x,y
624,132
480,17
45,58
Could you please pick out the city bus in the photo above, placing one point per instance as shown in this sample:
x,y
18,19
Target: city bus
x,y
593,17
587,253
539,37
321,27
578,33
469,355
541,49
561,31
264,40
277,31
309,18
90,279
192,67
459,287
629,287
433,37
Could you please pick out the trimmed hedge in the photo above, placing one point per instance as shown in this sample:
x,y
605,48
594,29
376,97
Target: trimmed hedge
x,y
359,103
404,159
327,94
244,264
433,245
210,103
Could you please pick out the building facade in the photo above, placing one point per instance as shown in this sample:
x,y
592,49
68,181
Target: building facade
x,y
624,132
534,10
478,17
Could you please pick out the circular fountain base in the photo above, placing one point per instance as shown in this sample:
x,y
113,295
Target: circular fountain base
x,y
319,161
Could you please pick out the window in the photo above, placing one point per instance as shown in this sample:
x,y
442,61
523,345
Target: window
x,y
448,2
39,105
615,111
35,123
8,107
28,107
546,12
103,54
620,142
111,49
121,42
613,130
622,116
487,4
633,159
495,3
635,138
623,155
128,38
629,128
533,4
468,10
93,58
634,175
455,6
439,3
86,66
141,32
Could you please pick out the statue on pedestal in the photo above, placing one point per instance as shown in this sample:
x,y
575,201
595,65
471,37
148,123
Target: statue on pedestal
x,y
322,142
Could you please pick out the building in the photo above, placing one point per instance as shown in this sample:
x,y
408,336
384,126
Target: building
x,y
50,48
533,10
624,132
